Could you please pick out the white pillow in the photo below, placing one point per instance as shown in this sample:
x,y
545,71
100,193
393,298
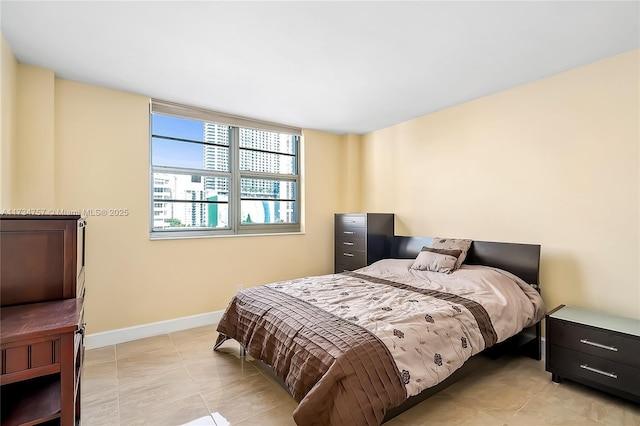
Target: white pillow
x,y
429,261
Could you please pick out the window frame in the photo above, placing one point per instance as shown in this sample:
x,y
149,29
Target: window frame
x,y
235,175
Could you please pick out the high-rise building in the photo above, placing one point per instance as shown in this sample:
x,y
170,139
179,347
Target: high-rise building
x,y
180,213
258,153
216,157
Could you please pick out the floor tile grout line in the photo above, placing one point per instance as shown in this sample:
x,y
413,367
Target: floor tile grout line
x,y
115,354
197,387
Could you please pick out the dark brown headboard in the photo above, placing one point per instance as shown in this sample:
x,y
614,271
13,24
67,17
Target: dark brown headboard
x,y
522,260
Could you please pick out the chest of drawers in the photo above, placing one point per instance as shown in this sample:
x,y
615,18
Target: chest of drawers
x,y
361,239
594,349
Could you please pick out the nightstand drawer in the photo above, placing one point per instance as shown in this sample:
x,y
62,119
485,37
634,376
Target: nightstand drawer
x,y
601,343
600,370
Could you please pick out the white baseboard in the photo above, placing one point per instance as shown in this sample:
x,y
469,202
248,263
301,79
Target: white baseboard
x,y
121,335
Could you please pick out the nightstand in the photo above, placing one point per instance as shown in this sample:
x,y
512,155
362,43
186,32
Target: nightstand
x,y
595,349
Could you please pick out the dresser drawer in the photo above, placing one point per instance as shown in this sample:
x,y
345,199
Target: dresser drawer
x,y
350,257
590,367
350,232
593,341
350,221
342,267
349,243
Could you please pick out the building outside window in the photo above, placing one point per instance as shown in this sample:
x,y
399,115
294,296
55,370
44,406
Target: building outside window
x,y
215,174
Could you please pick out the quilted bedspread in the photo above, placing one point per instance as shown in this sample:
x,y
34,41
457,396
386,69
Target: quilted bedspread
x,y
351,346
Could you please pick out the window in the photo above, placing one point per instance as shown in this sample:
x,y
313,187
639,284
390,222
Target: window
x,y
216,174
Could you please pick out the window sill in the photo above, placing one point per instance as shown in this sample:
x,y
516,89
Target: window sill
x,y
175,236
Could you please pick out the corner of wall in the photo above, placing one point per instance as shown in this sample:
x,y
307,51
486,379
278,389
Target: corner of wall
x,y
33,183
351,171
8,108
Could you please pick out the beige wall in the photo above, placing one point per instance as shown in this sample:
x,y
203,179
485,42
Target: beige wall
x,y
33,183
102,161
8,122
93,153
554,162
351,187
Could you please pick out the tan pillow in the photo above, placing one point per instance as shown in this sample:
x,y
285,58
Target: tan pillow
x,y
429,261
453,244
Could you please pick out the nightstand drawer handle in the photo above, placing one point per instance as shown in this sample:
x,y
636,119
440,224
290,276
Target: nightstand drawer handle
x,y
349,232
347,243
595,370
348,254
598,345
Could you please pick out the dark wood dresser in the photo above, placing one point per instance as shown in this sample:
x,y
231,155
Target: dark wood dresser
x,y
361,239
594,349
42,328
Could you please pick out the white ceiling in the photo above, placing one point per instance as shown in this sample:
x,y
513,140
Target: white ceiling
x,y
341,67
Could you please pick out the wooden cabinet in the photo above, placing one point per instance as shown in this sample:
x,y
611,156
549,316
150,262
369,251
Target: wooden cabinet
x,y
595,349
361,239
42,258
42,333
42,350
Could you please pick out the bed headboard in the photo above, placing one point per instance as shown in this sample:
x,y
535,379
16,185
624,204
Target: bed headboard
x,y
522,260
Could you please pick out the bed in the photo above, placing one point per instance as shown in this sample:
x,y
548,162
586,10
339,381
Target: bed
x,y
359,347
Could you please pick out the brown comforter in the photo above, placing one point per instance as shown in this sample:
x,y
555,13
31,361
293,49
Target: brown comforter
x,y
351,346
339,372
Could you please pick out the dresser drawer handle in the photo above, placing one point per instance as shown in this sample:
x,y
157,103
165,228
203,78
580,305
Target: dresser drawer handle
x,y
346,243
595,370
598,345
348,254
348,232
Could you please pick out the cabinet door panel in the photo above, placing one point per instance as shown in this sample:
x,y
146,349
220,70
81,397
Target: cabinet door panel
x,y
42,354
16,359
38,259
32,266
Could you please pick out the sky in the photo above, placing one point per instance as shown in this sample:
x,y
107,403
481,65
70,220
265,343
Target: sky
x,y
187,154
172,153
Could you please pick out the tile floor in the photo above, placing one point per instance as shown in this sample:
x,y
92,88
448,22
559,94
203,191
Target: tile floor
x,y
176,378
